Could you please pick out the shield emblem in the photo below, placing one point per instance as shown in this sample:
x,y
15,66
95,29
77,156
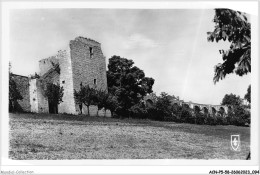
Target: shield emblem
x,y
235,142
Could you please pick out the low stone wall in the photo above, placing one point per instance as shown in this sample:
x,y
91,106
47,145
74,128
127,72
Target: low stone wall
x,y
93,111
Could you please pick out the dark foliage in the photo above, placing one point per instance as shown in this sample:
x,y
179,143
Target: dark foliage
x,y
240,114
164,110
86,96
111,104
101,99
128,83
200,118
210,120
138,111
54,94
234,27
232,100
164,107
248,94
14,94
186,116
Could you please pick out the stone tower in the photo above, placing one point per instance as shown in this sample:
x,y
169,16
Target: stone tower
x,y
83,62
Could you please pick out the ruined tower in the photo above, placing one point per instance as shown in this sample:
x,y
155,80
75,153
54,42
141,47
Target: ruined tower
x,y
82,62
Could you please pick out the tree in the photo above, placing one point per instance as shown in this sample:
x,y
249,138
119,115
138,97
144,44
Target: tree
x,y
101,99
79,97
248,94
240,114
106,100
54,93
14,94
232,26
111,103
139,111
164,107
85,95
232,100
127,82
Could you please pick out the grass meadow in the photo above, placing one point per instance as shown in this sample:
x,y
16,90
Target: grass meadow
x,y
56,137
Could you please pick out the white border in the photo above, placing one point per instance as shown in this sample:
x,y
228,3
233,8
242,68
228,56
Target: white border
x,y
250,7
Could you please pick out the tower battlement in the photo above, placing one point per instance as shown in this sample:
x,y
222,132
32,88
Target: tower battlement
x,y
87,41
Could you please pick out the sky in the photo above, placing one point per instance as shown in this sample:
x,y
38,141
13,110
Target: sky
x,y
169,45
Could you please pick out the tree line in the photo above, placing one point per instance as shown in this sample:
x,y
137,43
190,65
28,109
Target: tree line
x,y
164,109
127,86
91,96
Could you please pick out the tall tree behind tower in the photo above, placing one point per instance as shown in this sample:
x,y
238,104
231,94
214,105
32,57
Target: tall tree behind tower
x,y
127,82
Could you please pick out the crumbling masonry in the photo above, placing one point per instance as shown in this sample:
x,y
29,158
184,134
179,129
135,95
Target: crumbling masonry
x,y
82,62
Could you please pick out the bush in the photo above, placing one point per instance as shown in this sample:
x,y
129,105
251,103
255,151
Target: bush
x,y
122,112
155,114
186,116
238,121
210,120
176,112
224,121
228,120
239,117
220,119
234,120
200,118
138,111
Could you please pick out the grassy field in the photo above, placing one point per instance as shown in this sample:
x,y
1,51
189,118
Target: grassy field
x,y
46,136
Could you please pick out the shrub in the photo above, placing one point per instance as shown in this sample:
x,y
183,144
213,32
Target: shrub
x,y
200,118
219,119
224,120
176,111
234,120
240,116
186,116
228,120
210,120
154,114
162,109
138,111
238,121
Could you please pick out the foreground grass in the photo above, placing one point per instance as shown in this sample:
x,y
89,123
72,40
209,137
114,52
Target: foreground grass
x,y
45,136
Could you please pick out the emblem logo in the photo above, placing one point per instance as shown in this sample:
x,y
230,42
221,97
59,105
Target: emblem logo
x,y
235,142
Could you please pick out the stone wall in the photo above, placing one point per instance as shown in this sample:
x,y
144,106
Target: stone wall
x,y
93,111
66,81
43,105
53,77
88,66
33,95
22,84
46,64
